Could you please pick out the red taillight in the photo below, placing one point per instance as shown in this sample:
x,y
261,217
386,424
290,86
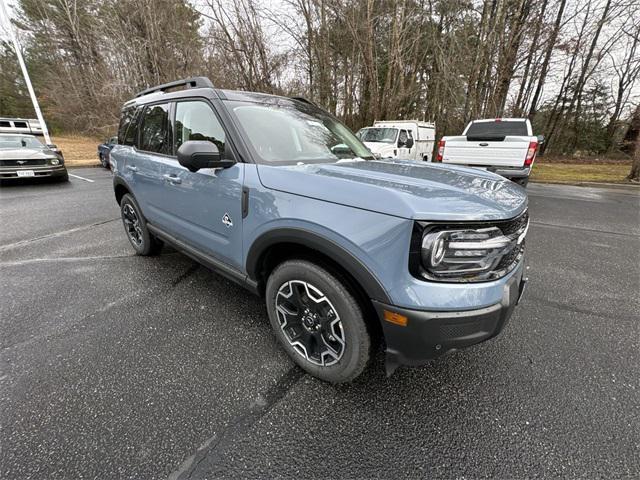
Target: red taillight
x,y
440,151
531,154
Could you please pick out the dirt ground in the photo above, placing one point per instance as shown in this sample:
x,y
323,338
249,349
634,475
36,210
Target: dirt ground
x,y
78,151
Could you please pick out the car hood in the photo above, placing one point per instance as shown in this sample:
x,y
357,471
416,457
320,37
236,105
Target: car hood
x,y
378,147
25,153
422,191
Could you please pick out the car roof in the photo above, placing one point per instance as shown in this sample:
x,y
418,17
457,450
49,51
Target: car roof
x,y
212,93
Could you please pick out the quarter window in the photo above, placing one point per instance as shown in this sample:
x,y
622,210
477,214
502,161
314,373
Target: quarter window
x,y
197,121
155,130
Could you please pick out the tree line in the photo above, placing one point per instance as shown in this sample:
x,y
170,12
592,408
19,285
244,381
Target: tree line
x,y
571,66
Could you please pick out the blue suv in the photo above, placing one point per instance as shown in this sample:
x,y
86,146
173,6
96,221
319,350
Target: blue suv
x,y
349,252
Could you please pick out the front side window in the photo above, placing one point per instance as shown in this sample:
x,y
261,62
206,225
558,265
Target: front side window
x,y
286,133
402,138
197,121
155,130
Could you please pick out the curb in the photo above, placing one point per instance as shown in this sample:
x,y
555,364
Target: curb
x,y
633,187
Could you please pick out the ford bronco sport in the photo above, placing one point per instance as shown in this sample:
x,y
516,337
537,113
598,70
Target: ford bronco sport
x,y
348,251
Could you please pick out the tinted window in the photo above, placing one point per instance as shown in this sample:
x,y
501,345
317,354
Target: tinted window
x,y
498,128
126,119
196,121
155,134
20,124
4,123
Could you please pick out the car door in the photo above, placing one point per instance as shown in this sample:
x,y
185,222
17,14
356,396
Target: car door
x,y
146,162
203,208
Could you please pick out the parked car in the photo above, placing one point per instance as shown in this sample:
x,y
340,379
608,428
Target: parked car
x,y
505,146
406,139
104,150
23,156
347,250
20,125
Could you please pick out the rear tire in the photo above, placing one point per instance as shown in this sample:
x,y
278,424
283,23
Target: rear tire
x,y
103,161
318,321
523,182
135,226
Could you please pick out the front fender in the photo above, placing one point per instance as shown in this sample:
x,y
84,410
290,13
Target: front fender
x,y
321,243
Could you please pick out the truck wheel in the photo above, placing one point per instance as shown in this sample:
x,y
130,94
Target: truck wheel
x,y
136,228
523,182
318,321
425,158
103,161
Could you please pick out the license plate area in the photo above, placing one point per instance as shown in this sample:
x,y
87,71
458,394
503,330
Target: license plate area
x,y
26,173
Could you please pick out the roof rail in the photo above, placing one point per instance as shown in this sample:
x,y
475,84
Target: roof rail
x,y
193,82
302,99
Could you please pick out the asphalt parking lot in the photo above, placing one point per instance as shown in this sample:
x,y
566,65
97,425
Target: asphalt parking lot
x,y
116,366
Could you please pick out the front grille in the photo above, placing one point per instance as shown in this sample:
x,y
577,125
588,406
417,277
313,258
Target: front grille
x,y
23,163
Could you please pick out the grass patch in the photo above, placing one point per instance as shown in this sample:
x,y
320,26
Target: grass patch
x,y
573,173
78,151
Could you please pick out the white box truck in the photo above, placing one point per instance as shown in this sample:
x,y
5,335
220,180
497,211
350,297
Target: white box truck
x,y
404,139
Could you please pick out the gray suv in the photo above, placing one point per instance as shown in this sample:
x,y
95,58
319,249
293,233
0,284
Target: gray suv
x,y
349,252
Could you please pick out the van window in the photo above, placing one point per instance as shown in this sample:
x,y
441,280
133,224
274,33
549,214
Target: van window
x,y
498,128
197,121
20,124
155,130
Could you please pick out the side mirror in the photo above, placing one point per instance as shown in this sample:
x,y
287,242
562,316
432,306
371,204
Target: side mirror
x,y
540,139
197,154
409,143
52,146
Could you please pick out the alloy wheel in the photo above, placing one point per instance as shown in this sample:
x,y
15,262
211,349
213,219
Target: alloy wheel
x,y
132,225
310,323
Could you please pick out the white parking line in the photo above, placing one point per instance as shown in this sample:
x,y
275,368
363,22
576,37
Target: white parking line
x,y
81,178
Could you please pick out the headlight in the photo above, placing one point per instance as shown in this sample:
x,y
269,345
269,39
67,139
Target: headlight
x,y
469,253
55,161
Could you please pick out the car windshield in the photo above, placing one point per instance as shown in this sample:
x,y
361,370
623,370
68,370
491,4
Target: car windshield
x,y
19,141
380,135
496,127
295,133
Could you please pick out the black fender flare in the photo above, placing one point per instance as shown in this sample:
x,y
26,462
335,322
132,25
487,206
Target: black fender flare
x,y
120,182
306,238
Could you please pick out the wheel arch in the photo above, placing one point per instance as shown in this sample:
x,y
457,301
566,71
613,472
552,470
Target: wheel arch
x,y
120,189
275,246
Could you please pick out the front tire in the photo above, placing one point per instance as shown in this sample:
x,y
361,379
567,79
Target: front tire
x,y
104,161
135,226
318,321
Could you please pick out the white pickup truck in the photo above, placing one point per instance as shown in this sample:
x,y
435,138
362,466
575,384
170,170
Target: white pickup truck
x,y
405,139
505,146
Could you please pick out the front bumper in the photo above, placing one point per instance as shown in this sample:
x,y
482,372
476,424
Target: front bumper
x,y
44,171
428,334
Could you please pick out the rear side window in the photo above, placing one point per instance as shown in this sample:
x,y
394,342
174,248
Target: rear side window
x,y
498,128
4,124
127,131
155,130
196,121
20,124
